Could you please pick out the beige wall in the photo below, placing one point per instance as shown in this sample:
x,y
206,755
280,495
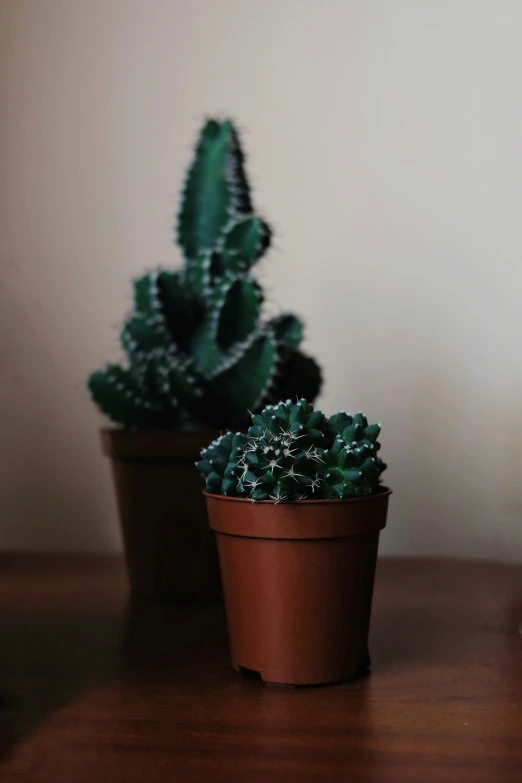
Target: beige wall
x,y
385,146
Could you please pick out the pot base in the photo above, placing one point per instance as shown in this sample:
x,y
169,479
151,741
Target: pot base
x,y
252,674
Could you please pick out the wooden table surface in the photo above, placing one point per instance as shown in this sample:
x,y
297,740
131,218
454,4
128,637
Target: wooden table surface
x,y
96,689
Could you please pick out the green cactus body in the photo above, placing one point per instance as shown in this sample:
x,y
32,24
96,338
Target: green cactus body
x,y
293,452
198,352
216,189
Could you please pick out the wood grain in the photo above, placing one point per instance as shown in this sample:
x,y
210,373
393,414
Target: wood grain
x,y
94,689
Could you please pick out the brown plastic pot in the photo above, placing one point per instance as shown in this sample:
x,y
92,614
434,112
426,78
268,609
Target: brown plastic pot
x,y
169,550
298,584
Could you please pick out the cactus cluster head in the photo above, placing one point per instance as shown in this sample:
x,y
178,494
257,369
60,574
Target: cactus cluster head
x,y
198,352
293,452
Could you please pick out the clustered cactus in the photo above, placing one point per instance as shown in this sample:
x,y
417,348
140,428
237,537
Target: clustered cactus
x,y
198,352
293,452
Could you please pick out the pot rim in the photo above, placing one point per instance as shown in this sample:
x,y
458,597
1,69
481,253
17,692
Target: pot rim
x,y
151,445
385,492
158,431
298,520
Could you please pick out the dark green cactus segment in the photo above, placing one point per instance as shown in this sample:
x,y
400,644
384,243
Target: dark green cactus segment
x,y
146,295
176,381
244,241
216,189
201,222
119,396
299,418
288,329
239,313
298,375
340,421
292,452
162,374
219,463
352,432
217,268
182,313
198,351
164,300
233,311
235,174
351,468
140,336
196,275
372,431
207,354
356,428
245,383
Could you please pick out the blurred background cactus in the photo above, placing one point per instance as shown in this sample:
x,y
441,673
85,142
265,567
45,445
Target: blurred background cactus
x,y
292,452
198,350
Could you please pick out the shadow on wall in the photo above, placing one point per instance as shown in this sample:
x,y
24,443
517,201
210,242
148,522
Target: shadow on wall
x,y
54,487
464,491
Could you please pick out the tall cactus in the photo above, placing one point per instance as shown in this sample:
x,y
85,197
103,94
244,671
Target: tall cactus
x,y
198,350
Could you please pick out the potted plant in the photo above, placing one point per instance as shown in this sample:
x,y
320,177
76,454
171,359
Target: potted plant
x,y
198,354
297,507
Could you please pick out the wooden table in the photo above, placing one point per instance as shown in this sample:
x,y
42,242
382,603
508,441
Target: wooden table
x,y
94,689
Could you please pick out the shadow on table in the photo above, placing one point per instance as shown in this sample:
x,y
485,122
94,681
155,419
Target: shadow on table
x,y
45,662
50,659
414,635
158,636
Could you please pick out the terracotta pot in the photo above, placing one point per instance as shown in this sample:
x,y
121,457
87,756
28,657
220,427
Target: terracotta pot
x,y
169,550
298,584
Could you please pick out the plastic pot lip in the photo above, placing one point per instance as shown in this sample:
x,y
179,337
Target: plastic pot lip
x,y
160,433
385,492
297,520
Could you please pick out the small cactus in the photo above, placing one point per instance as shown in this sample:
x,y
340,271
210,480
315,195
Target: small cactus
x,y
293,452
198,350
